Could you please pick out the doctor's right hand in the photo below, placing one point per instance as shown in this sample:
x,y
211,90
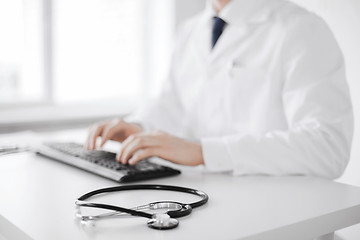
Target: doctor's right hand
x,y
116,129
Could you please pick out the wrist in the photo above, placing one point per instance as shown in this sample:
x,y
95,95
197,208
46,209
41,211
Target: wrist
x,y
198,155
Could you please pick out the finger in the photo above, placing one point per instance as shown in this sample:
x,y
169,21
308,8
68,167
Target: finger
x,y
106,135
94,133
134,143
142,154
87,142
124,144
90,133
133,146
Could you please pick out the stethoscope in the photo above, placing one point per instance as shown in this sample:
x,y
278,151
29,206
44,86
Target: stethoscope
x,y
160,221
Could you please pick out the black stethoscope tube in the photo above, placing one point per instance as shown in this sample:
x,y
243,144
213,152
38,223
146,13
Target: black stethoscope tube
x,y
115,208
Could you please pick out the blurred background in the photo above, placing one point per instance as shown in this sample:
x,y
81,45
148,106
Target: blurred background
x,y
69,63
72,62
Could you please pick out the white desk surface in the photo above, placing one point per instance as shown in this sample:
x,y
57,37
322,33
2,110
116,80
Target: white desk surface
x,y
38,194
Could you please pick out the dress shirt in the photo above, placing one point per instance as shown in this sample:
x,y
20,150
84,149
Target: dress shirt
x,y
270,98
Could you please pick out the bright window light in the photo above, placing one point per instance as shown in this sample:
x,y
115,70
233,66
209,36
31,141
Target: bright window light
x,y
98,49
81,55
21,53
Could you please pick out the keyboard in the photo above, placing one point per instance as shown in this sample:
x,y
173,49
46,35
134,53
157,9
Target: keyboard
x,y
103,163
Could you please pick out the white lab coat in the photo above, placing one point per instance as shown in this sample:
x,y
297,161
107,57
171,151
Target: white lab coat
x,y
271,97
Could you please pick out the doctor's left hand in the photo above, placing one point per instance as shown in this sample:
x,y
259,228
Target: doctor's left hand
x,y
160,144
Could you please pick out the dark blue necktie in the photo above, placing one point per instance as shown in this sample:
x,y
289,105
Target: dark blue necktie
x,y
217,30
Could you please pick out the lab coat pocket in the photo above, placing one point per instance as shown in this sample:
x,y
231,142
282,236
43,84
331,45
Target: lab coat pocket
x,y
240,72
246,89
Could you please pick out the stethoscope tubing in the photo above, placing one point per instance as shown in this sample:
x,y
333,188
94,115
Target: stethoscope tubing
x,y
182,211
188,207
114,208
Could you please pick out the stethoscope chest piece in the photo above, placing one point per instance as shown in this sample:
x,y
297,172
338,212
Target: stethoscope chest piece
x,y
162,222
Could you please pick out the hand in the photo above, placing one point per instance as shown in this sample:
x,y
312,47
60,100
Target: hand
x,y
142,145
116,129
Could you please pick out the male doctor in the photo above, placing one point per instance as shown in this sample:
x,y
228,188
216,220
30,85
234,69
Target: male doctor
x,y
255,87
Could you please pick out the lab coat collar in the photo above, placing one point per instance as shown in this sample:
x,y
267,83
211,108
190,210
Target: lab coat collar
x,y
235,13
241,11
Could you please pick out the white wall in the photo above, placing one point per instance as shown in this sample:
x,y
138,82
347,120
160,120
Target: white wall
x,y
187,8
343,17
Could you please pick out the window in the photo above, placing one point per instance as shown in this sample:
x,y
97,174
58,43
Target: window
x,y
21,52
66,63
68,52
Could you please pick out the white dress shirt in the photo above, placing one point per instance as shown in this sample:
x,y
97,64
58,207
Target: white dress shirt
x,y
270,98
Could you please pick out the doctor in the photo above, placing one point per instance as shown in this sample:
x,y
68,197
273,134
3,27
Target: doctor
x,y
255,87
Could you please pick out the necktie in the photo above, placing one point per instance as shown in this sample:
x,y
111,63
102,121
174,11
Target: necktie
x,y
217,30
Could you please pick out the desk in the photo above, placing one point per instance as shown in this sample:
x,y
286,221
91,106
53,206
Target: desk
x,y
38,194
